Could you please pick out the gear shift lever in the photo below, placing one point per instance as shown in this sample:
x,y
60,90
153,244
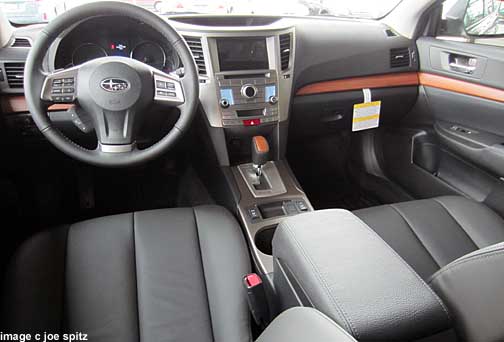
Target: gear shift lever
x,y
260,153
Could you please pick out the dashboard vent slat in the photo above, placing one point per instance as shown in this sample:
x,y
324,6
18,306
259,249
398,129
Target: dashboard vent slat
x,y
285,50
21,42
194,44
15,74
399,57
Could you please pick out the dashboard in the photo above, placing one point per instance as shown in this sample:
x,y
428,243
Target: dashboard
x,y
113,36
250,68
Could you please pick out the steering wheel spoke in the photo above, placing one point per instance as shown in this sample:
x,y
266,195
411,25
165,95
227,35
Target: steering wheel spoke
x,y
168,89
125,148
60,86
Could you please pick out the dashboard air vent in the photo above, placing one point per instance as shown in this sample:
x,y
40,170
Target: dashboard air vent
x,y
285,50
390,33
14,72
21,42
197,51
399,57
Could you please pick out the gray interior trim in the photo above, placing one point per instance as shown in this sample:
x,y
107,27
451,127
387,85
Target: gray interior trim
x,y
374,295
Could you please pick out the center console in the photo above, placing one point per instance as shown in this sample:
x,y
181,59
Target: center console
x,y
248,99
350,274
246,75
269,193
245,72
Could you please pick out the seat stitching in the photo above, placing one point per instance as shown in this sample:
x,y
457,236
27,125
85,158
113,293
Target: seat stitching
x,y
195,216
334,324
410,226
323,282
463,261
457,221
394,253
133,215
298,282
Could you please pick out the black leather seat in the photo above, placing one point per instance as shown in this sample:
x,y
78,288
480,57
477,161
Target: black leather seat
x,y
429,234
163,275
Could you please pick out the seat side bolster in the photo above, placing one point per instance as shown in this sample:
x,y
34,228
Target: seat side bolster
x,y
33,294
471,287
225,262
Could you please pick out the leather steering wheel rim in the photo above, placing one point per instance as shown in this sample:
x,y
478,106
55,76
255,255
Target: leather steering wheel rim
x,y
35,77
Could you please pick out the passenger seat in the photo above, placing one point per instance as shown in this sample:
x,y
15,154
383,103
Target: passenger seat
x,y
455,245
429,234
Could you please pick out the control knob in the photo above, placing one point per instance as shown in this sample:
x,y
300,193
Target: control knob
x,y
249,91
273,99
224,103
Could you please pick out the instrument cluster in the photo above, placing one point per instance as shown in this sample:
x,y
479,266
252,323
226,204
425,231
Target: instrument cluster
x,y
117,37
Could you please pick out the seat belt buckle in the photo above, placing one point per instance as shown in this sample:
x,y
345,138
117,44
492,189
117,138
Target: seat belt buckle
x,y
256,297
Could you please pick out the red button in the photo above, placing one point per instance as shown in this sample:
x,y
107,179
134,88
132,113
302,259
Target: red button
x,y
252,122
252,280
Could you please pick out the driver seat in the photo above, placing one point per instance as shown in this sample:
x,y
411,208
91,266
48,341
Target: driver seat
x,y
161,275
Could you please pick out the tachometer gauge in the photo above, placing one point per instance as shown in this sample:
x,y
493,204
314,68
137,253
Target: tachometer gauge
x,y
86,52
149,53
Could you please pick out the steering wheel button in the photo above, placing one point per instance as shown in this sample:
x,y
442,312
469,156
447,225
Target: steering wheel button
x,y
171,93
67,98
57,81
57,98
160,84
170,85
56,91
68,90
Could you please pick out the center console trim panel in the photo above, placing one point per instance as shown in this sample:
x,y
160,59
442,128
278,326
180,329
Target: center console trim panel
x,y
209,83
253,226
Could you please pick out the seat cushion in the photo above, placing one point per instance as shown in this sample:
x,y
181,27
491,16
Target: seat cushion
x,y
162,275
431,233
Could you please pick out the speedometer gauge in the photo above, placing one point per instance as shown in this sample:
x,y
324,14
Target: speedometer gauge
x,y
149,53
86,52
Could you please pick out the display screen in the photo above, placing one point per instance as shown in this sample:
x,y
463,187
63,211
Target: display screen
x,y
119,48
242,53
249,113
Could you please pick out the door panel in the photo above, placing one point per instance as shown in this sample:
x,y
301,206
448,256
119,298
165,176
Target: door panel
x,y
468,116
459,146
432,54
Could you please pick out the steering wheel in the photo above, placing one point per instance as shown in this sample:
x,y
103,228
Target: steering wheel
x,y
113,91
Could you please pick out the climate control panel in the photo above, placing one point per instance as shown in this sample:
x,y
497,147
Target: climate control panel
x,y
248,100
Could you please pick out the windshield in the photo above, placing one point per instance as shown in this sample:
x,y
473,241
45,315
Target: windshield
x,y
39,11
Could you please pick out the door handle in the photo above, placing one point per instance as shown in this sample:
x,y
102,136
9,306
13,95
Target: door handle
x,y
461,63
466,69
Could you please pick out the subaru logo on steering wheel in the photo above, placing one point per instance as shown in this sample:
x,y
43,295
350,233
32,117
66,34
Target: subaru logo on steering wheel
x,y
114,85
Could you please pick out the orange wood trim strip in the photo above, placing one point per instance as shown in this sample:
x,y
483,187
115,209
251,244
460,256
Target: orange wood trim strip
x,y
463,87
17,104
378,81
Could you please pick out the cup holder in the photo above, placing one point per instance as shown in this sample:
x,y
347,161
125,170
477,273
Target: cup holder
x,y
264,238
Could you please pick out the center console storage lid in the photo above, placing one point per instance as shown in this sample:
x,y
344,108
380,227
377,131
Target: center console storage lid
x,y
345,270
